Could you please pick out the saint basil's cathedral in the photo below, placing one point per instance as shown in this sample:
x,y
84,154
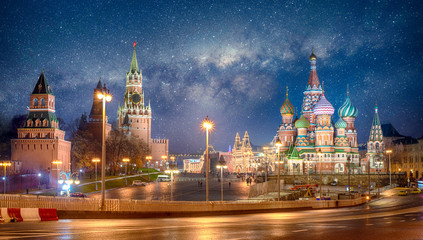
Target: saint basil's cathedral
x,y
315,137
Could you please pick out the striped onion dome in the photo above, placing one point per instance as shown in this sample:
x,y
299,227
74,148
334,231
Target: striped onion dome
x,y
287,107
302,122
323,107
347,109
340,123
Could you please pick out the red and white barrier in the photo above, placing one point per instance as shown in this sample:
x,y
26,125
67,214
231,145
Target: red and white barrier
x,y
4,216
15,214
48,214
28,214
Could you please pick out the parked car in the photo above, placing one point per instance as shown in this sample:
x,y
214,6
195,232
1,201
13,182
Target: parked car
x,y
78,194
416,191
403,193
139,183
334,183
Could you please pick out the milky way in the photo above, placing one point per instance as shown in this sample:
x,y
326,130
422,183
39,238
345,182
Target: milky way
x,y
230,61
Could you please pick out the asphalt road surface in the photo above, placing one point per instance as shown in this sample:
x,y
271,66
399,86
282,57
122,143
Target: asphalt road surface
x,y
182,191
389,218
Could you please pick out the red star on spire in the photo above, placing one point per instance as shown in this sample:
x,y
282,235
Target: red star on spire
x,y
135,44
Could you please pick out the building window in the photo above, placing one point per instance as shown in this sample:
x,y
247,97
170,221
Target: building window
x,y
36,102
43,102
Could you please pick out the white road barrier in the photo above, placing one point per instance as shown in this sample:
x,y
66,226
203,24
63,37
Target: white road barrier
x,y
30,214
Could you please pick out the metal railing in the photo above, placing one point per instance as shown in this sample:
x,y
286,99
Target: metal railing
x,y
129,205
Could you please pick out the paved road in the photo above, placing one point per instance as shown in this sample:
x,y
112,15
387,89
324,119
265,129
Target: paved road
x,y
390,218
182,191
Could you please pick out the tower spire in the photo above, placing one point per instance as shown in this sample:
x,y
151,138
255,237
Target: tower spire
x,y
287,91
313,80
348,90
134,63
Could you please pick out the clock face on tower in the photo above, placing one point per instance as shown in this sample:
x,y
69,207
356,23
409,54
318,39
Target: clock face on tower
x,y
136,98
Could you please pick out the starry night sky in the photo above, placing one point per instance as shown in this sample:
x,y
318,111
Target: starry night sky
x,y
230,60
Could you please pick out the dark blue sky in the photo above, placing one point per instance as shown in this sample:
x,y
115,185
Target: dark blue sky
x,y
230,60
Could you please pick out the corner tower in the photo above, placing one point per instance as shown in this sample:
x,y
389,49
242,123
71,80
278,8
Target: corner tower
x,y
40,141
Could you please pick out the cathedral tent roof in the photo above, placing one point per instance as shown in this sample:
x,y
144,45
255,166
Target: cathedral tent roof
x,y
42,86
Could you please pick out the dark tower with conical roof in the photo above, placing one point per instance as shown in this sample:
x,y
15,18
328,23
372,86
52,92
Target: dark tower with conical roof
x,y
40,141
95,119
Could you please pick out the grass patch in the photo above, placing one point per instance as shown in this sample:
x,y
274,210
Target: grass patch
x,y
117,183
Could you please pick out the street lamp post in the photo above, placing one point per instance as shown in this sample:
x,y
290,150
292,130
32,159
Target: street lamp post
x,y
148,158
378,163
5,164
349,183
207,124
266,163
105,96
307,164
278,145
320,154
164,158
172,169
221,164
389,165
368,168
96,160
57,163
126,161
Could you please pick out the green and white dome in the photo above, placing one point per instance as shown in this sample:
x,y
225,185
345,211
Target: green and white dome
x,y
302,122
347,109
340,123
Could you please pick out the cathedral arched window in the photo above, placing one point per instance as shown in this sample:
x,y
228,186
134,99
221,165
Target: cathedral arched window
x,y
43,102
29,123
377,146
36,102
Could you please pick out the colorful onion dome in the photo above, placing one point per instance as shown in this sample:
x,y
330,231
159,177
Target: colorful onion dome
x,y
323,107
302,122
347,109
287,107
340,123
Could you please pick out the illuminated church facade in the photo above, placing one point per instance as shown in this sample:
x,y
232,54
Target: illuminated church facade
x,y
314,136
